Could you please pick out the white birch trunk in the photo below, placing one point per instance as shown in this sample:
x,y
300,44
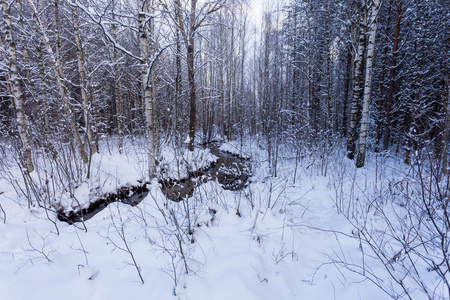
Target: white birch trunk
x,y
57,68
84,96
368,85
357,83
145,74
16,89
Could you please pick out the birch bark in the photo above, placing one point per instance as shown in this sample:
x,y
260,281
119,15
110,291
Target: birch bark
x,y
55,61
357,82
368,85
14,79
84,96
146,80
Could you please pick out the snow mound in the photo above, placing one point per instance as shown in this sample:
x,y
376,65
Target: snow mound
x,y
234,148
108,174
175,166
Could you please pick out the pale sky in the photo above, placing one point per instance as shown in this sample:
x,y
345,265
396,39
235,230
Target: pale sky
x,y
256,10
258,6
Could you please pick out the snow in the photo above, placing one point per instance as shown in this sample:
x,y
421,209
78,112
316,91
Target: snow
x,y
273,240
234,147
109,172
177,166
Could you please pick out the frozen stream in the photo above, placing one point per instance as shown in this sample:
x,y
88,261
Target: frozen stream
x,y
230,171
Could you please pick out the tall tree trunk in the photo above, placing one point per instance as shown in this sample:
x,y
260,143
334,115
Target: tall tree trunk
x,y
43,90
178,85
346,89
266,89
204,84
408,131
390,95
192,95
83,87
368,85
446,135
57,68
308,75
62,86
26,56
241,99
16,88
357,82
381,98
117,91
191,76
146,84
329,123
194,21
231,81
223,118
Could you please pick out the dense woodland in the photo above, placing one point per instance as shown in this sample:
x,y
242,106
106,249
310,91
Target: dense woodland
x,y
315,73
340,99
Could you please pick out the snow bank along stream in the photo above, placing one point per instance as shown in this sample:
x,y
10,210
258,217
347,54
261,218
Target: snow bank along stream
x,y
231,171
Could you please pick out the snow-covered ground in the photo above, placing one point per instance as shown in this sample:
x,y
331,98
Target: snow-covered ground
x,y
276,239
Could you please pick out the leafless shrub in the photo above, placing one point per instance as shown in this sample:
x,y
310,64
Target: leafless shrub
x,y
118,227
41,247
404,226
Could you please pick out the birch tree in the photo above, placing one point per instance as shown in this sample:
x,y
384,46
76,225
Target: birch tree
x,y
149,53
357,84
84,96
368,85
15,85
144,34
56,65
